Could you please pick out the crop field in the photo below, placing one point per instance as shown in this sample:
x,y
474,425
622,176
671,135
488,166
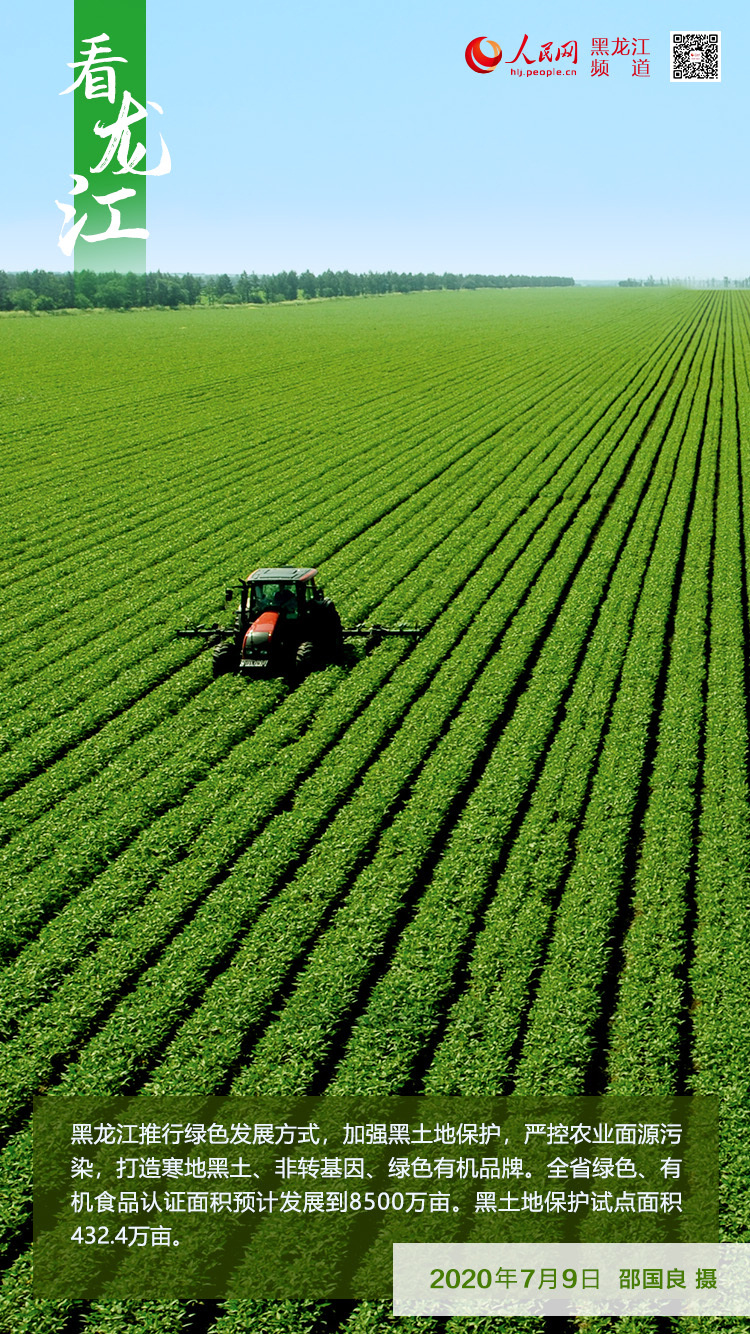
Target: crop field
x,y
510,857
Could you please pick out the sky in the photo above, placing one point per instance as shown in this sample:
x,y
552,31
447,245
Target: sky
x,y
355,136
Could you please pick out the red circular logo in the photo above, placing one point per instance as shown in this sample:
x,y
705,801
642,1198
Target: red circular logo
x,y
476,58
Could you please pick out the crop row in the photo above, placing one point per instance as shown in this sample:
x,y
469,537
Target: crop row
x,y
569,996
719,967
646,1034
716,983
411,997
483,1030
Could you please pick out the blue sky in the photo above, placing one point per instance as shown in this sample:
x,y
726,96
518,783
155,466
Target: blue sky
x,y
355,136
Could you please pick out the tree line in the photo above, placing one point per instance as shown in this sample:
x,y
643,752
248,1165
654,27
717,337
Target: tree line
x,y
42,290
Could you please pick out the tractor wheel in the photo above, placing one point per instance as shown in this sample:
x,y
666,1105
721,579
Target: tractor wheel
x,y
224,659
305,657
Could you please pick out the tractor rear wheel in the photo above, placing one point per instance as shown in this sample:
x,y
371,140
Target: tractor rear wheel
x,y
224,659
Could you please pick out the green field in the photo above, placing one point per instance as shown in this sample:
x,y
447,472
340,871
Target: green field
x,y
511,857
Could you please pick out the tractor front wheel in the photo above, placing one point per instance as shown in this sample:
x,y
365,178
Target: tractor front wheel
x,y
305,657
224,659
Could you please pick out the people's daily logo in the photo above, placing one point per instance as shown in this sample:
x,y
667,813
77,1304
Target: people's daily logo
x,y
476,58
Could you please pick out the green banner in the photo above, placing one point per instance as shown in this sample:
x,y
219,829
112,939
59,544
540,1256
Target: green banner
x,y
108,229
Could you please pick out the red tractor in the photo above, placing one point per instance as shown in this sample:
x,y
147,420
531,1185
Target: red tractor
x,y
283,626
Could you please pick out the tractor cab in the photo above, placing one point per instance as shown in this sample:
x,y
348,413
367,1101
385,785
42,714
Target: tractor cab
x,y
286,589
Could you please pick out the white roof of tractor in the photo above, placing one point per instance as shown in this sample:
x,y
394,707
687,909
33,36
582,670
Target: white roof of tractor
x,y
281,574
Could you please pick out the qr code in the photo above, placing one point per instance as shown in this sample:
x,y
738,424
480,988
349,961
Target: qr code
x,y
695,55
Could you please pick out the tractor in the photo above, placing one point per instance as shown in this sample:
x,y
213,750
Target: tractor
x,y
283,626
